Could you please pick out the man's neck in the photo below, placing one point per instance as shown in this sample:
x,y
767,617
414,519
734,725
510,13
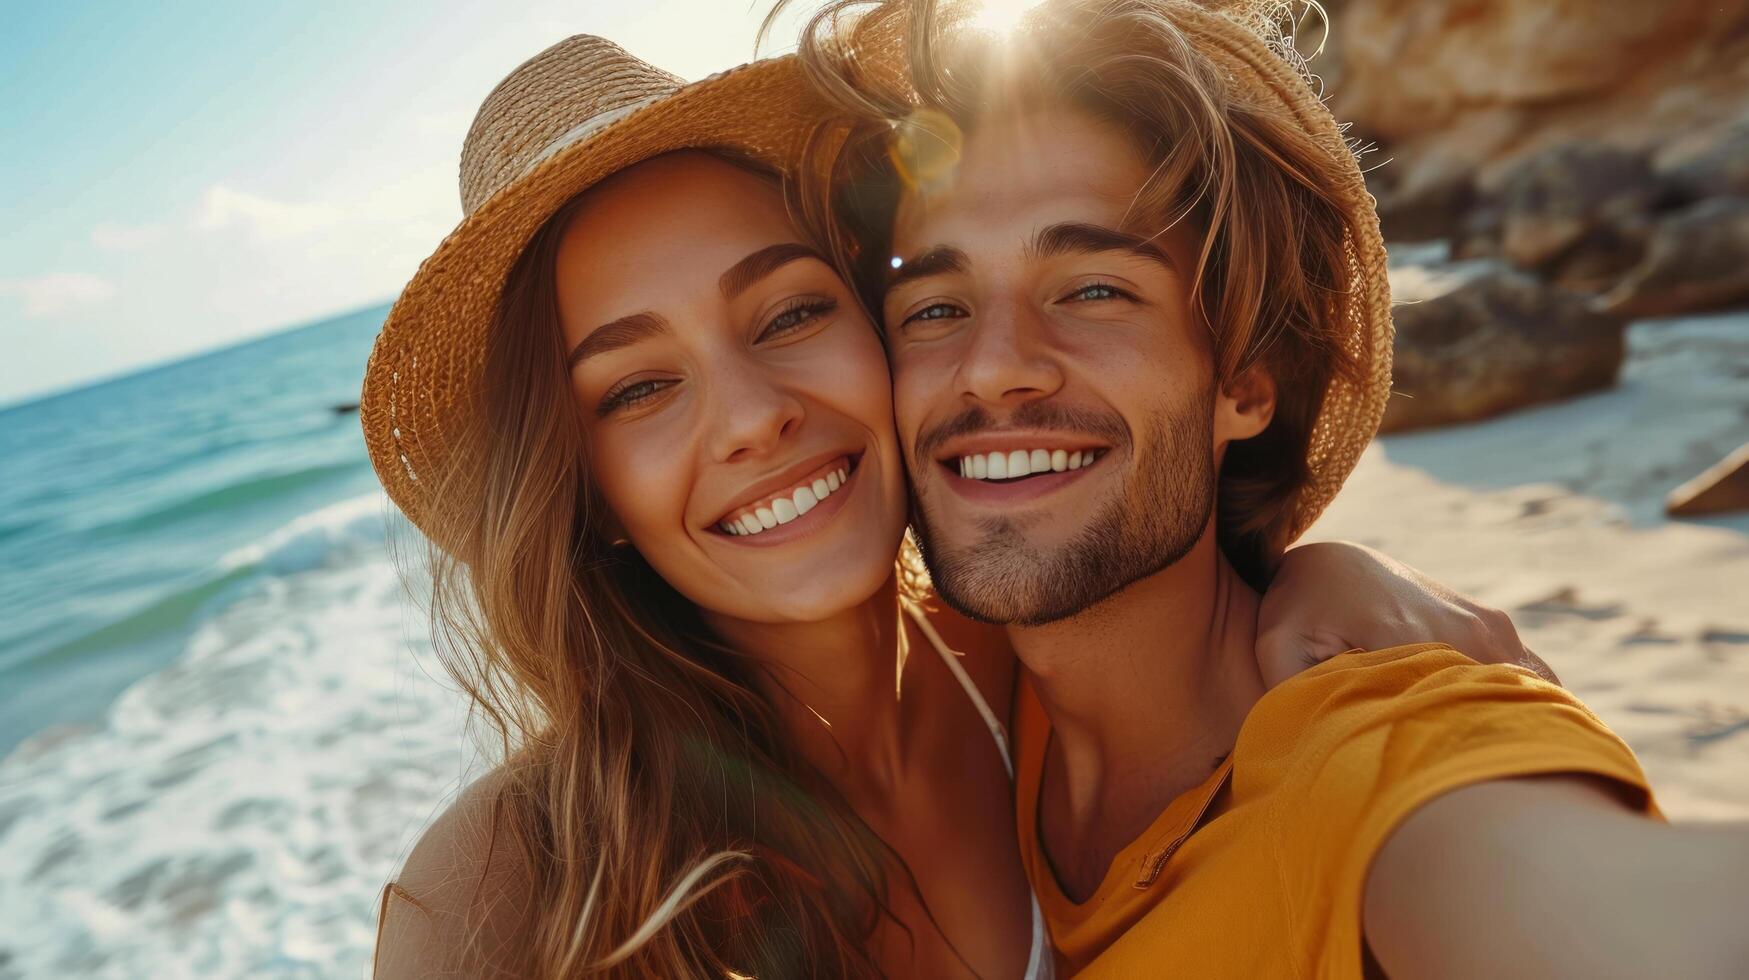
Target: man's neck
x,y
1146,692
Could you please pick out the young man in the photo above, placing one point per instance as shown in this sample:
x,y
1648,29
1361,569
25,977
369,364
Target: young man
x,y
1136,312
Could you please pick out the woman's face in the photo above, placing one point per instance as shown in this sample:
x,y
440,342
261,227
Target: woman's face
x,y
736,401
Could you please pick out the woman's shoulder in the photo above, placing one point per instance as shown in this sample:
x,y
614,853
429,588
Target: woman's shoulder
x,y
464,902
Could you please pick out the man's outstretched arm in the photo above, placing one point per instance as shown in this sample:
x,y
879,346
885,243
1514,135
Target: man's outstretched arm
x,y
1552,877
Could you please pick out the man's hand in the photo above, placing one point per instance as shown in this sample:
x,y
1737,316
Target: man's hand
x,y
1333,596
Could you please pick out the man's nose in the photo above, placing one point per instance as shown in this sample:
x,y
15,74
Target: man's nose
x,y
1009,358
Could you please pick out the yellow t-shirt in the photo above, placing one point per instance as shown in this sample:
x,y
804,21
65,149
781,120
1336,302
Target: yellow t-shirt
x,y
1325,767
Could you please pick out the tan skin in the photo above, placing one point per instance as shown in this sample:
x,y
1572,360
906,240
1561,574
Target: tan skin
x,y
708,381
1091,329
1561,873
728,396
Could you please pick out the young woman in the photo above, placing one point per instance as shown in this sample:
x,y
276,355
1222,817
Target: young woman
x,y
648,429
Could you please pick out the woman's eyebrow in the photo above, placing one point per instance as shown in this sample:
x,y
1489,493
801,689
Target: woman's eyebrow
x,y
615,334
743,274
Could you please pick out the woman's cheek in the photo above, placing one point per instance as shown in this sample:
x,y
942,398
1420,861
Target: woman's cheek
x,y
638,482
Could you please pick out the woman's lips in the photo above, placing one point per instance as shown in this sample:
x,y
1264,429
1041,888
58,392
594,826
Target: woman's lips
x,y
791,503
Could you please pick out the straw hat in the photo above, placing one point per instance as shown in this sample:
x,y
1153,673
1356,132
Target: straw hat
x,y
584,108
1246,40
562,121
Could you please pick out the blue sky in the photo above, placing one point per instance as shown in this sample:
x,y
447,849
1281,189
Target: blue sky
x,y
180,175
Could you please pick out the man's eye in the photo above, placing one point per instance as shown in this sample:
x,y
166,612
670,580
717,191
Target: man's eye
x,y
796,316
625,396
935,311
1097,291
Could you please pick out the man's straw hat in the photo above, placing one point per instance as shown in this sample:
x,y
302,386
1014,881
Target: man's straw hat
x,y
562,121
584,108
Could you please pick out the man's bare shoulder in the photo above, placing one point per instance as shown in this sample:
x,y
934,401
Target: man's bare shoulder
x,y
463,903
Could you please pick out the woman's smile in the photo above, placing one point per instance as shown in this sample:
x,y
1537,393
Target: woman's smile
x,y
791,505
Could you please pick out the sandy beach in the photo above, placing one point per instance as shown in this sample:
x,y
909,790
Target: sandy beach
x,y
1555,515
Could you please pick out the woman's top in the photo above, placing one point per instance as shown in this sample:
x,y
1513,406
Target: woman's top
x,y
1040,964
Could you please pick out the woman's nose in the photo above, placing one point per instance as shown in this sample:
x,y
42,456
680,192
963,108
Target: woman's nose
x,y
750,412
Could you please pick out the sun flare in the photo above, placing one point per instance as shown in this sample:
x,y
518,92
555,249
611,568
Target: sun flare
x,y
1002,16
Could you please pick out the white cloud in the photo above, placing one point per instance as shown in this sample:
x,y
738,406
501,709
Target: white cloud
x,y
265,219
125,238
57,292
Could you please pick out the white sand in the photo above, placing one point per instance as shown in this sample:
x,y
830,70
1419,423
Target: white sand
x,y
1554,514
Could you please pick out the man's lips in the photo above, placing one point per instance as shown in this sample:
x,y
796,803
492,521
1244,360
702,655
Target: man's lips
x,y
1012,454
1015,476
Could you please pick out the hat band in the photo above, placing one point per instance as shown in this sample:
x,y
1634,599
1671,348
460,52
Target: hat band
x,y
593,124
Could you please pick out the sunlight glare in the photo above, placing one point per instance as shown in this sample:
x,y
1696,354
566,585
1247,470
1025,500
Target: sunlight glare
x,y
1002,16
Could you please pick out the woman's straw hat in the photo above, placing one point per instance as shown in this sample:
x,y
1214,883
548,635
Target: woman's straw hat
x,y
562,121
584,108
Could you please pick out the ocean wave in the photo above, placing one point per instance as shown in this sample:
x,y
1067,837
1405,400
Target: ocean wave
x,y
328,537
334,533
237,812
231,495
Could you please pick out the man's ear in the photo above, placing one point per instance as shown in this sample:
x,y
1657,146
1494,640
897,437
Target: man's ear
x,y
1244,405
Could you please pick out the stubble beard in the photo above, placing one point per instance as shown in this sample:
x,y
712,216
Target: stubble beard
x,y
1157,518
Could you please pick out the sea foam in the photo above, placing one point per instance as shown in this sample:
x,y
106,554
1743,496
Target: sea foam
x,y
238,811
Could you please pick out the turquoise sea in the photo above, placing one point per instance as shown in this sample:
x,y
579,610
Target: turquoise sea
x,y
122,497
219,724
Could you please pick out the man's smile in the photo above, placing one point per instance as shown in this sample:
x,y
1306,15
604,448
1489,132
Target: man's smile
x,y
1012,468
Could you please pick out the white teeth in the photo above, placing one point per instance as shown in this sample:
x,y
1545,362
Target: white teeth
x,y
785,508
1022,462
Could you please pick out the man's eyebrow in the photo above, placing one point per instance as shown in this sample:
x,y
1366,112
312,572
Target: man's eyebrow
x,y
743,274
936,261
615,334
1074,236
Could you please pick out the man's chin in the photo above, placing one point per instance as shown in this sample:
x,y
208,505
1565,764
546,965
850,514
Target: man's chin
x,y
1004,586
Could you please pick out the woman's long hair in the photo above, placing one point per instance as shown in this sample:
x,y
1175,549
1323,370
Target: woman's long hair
x,y
648,795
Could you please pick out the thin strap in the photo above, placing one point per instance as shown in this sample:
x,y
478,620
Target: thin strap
x,y
1039,964
997,729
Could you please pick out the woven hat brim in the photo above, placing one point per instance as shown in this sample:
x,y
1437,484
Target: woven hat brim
x,y
1352,408
425,366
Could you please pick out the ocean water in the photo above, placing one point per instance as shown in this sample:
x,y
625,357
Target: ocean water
x,y
220,724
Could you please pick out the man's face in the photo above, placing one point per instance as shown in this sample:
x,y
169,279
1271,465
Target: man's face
x,y
1054,396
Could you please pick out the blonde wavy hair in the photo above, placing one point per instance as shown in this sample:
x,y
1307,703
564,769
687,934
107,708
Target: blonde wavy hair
x,y
649,797
1251,184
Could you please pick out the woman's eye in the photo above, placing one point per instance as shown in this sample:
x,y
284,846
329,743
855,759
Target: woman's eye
x,y
935,311
1097,291
625,396
796,316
